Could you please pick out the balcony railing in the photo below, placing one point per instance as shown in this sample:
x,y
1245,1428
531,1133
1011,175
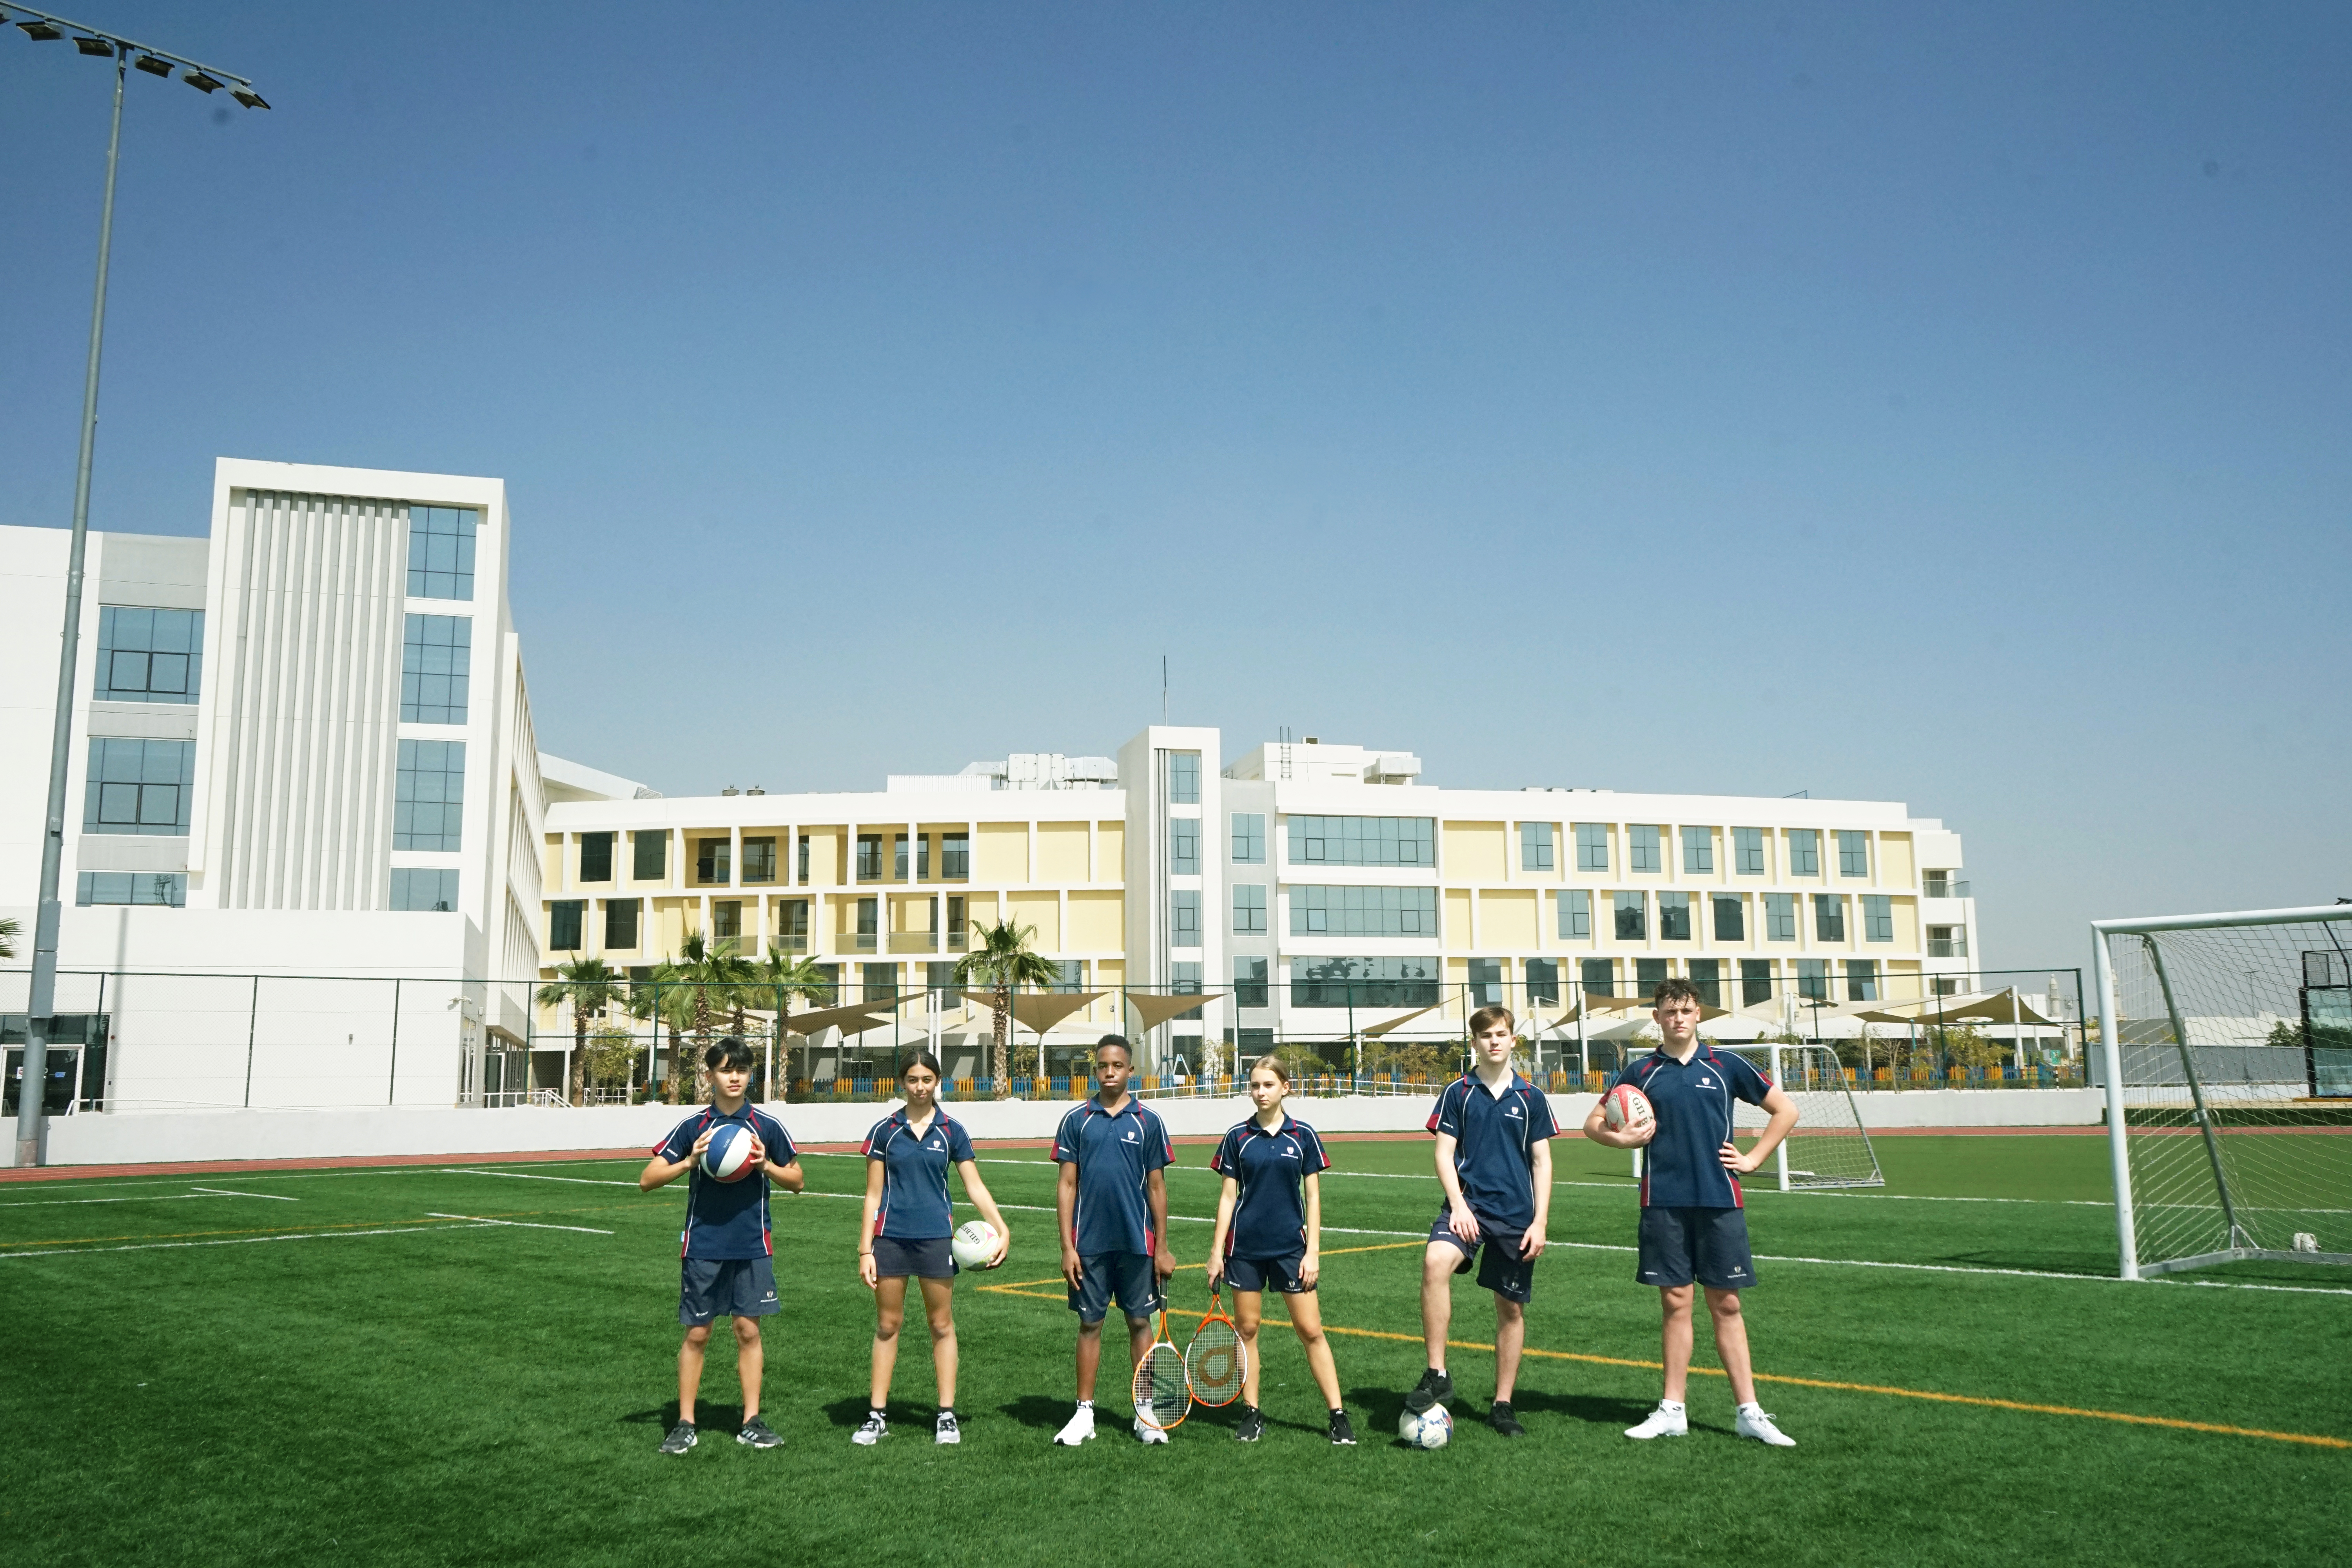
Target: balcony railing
x,y
858,942
1947,947
790,943
914,941
1944,887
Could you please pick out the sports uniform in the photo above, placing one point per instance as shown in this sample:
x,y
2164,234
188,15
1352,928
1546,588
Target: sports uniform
x,y
1266,1243
1494,1137
1694,1224
1115,1153
912,1227
726,1250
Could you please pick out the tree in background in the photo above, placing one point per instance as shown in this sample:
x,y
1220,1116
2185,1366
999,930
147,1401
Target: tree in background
x,y
1003,961
8,933
778,978
588,986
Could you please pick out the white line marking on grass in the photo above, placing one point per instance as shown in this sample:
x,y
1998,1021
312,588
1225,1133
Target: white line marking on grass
x,y
227,1193
523,1224
527,1176
247,1240
154,1198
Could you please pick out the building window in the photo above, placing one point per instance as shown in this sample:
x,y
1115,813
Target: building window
x,y
1249,909
1363,912
714,860
649,860
1535,846
1877,917
727,919
1184,845
1250,988
955,857
940,976
897,856
430,889
1754,982
1184,778
758,859
878,981
1854,853
168,888
1698,850
801,869
1674,917
1814,979
1748,851
621,925
595,856
441,551
149,655
1642,848
1829,918
563,922
1593,847
1731,918
1804,852
141,787
1364,983
1631,925
1649,974
1543,982
1249,838
922,856
429,796
829,982
1184,979
1779,917
1862,980
955,921
869,921
793,925
1706,979
1486,983
1070,976
1185,917
1363,840
433,663
1948,941
1600,976
1575,914
869,857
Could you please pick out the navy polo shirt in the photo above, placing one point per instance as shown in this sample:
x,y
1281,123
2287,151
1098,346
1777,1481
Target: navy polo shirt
x,y
1683,1168
727,1219
1494,1146
915,1205
1272,1168
1114,1152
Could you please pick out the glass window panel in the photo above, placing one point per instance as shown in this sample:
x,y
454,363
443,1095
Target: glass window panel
x,y
649,862
1731,918
441,551
1779,917
1575,914
1804,852
760,859
1877,917
1535,846
1364,982
621,924
565,919
429,796
1631,925
1543,982
1249,838
1754,980
1185,917
1707,978
148,655
1862,980
1829,918
1649,974
1814,979
165,889
955,855
1486,982
138,787
1698,850
432,889
1593,847
1363,912
1642,848
1600,976
1363,840
434,660
1854,853
1249,909
1674,917
1184,778
1184,845
1250,987
597,857
1748,851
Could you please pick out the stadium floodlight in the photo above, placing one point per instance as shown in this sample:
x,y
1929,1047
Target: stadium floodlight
x,y
40,1001
2225,1050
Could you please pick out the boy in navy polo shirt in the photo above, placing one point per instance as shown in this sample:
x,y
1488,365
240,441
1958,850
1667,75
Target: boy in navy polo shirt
x,y
1693,1226
1113,1204
725,1268
1493,1159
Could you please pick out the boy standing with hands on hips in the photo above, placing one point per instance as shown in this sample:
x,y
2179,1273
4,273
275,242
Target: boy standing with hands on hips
x,y
1693,1226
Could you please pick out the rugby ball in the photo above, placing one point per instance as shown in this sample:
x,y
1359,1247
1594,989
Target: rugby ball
x,y
974,1244
1626,1107
729,1156
1433,1428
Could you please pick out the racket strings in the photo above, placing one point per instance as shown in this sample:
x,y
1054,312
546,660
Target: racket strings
x,y
1162,1394
1215,1365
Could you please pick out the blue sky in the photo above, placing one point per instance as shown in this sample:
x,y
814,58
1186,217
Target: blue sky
x,y
1948,408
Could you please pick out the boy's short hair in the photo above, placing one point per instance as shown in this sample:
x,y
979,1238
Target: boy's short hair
x,y
729,1052
1119,1041
1674,988
1486,1018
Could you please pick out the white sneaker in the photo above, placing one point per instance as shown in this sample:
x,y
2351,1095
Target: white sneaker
x,y
1147,1433
874,1430
1754,1423
1081,1427
1661,1423
947,1431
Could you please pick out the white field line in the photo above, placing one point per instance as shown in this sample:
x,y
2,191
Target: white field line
x,y
527,1176
247,1240
521,1223
229,1193
157,1198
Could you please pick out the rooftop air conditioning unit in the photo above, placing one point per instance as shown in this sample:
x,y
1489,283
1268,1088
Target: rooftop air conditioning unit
x,y
1393,767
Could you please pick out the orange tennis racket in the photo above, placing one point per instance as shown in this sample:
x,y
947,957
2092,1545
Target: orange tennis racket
x,y
1162,1398
1216,1363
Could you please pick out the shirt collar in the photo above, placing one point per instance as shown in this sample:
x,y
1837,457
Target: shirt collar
x,y
1289,1124
1094,1103
1510,1084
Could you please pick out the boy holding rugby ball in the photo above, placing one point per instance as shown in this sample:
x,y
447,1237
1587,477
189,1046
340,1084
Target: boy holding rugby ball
x,y
725,1268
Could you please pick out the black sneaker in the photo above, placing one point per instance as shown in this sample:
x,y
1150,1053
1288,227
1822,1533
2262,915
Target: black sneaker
x,y
680,1438
756,1434
1251,1427
1343,1434
1434,1388
1501,1419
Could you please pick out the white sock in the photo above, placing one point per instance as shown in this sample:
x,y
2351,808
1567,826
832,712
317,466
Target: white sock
x,y
1671,1406
1085,1404
1751,1408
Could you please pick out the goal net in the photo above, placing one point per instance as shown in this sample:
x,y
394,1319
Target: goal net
x,y
1830,1148
2225,1050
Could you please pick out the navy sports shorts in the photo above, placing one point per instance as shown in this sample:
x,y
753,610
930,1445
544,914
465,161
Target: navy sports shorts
x,y
929,1259
725,1288
1129,1274
1502,1271
1268,1273
1707,1245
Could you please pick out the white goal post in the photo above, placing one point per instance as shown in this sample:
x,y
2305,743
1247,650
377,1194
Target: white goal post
x,y
2225,1052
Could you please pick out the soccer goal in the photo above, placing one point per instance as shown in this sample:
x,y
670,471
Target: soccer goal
x,y
2225,1050
1831,1148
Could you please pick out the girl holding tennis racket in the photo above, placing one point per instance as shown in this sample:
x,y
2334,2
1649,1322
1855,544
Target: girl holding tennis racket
x,y
1269,1236
905,1235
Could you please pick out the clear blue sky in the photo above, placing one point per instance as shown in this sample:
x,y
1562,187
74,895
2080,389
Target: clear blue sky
x,y
1949,409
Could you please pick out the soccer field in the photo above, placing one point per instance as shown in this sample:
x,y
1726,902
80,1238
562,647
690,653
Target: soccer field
x,y
459,1365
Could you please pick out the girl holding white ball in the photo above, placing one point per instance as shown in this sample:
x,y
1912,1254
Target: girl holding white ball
x,y
905,1235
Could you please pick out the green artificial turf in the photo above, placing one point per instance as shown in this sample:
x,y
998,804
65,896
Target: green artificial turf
x,y
455,1394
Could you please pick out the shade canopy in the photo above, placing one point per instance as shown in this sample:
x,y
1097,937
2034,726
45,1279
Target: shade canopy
x,y
1038,1010
1374,1031
848,1020
2002,1007
1153,1008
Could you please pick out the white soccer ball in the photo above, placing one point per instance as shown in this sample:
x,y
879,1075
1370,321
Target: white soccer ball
x,y
1433,1428
974,1244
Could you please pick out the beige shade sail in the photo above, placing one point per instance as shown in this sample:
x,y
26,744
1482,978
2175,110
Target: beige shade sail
x,y
1038,1010
1152,1009
1374,1031
2002,1007
848,1020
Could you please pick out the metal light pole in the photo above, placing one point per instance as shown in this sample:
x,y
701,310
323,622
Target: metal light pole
x,y
31,1088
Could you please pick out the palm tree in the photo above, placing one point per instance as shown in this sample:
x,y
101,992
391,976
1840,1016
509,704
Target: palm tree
x,y
666,997
8,933
709,978
1003,961
780,978
590,986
